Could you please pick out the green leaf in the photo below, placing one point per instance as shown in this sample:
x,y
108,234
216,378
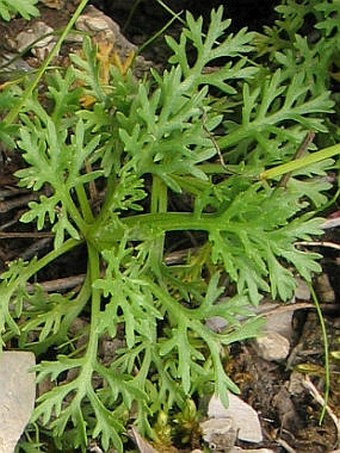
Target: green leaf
x,y
39,211
61,227
7,132
270,104
26,8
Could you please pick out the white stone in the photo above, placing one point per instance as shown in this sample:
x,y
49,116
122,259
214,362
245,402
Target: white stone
x,y
245,418
17,396
272,346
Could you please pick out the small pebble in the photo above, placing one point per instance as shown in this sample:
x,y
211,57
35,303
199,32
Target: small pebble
x,y
272,346
219,433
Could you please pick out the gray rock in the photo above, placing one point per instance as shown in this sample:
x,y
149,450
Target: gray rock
x,y
39,36
219,433
95,22
302,290
325,291
272,346
142,444
245,418
281,323
55,4
295,386
17,396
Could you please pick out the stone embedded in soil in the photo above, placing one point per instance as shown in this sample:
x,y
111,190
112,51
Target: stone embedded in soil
x,y
55,4
286,410
281,323
17,396
325,291
219,433
61,4
272,346
94,21
245,418
302,290
142,444
295,386
39,36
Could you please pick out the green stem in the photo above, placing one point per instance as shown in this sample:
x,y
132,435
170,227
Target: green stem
x,y
326,351
157,34
172,305
32,269
171,221
94,272
159,204
73,211
302,162
109,200
35,266
75,308
146,226
218,169
84,203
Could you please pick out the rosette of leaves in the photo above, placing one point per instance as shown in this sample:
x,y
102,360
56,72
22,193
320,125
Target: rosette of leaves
x,y
107,177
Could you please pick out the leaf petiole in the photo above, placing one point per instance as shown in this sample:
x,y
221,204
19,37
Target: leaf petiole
x,y
302,162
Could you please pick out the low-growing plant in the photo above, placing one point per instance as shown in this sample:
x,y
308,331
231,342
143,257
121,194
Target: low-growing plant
x,y
131,170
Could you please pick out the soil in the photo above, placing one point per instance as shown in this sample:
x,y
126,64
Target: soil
x,y
289,415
